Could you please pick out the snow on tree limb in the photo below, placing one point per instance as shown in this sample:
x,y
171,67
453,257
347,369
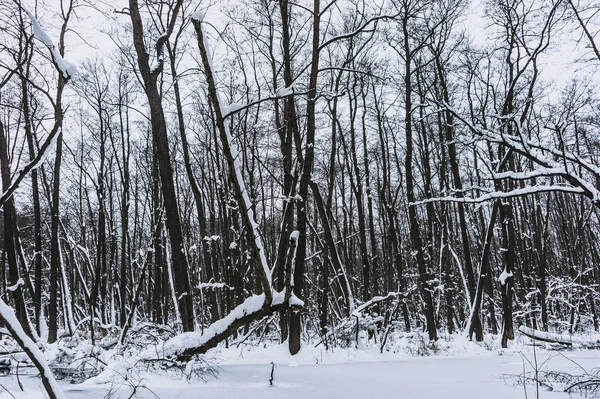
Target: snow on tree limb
x,y
377,299
185,345
565,167
233,158
551,162
504,276
360,29
232,109
39,159
198,16
7,316
501,195
542,172
67,69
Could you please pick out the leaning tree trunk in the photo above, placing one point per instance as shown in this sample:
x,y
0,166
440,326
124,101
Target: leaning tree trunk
x,y
159,136
202,224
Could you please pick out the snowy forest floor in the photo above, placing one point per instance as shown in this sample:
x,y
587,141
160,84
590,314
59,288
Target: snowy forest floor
x,y
457,369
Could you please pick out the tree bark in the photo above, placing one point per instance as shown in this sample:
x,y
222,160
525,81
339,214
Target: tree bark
x,y
159,136
10,228
415,235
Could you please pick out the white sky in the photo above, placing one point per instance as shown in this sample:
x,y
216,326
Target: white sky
x,y
557,65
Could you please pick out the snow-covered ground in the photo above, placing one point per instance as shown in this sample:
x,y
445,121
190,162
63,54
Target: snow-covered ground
x,y
463,370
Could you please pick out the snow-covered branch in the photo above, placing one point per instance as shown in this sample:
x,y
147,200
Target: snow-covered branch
x,y
542,172
37,161
233,159
9,319
185,345
67,69
550,161
358,30
550,337
232,109
501,195
377,299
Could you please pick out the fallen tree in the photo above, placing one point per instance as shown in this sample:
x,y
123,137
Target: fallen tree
x,y
561,339
182,347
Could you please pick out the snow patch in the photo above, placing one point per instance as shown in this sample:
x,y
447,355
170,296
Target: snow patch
x,y
285,91
14,287
295,301
278,297
198,15
504,276
231,108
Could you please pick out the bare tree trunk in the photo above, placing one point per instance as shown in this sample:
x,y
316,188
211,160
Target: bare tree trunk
x,y
125,199
159,136
10,228
158,300
55,246
415,234
307,167
37,219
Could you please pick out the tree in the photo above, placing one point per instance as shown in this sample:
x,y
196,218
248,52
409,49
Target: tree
x,y
161,142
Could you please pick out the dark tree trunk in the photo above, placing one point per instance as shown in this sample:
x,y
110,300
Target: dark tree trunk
x,y
202,224
415,235
37,219
307,167
159,136
10,230
55,246
158,300
288,129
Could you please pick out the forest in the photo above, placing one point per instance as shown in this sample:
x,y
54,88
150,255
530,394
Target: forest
x,y
320,172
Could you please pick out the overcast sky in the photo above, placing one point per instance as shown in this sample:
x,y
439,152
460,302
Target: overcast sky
x,y
93,28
